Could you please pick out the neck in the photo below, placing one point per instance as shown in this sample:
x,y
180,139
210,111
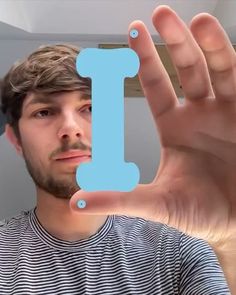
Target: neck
x,y
57,218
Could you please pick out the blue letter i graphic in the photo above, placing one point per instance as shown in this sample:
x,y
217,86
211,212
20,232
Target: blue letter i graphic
x,y
107,68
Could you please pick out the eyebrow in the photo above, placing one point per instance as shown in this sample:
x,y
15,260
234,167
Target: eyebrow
x,y
49,99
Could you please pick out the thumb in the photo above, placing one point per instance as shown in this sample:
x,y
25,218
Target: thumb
x,y
99,203
145,201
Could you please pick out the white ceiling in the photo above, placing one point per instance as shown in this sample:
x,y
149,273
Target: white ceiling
x,y
98,20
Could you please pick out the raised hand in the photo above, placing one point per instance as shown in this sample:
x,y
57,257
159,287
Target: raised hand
x,y
194,189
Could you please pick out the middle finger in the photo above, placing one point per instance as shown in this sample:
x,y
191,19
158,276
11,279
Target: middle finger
x,y
185,53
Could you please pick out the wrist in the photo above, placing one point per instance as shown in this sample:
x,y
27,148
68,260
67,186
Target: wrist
x,y
226,254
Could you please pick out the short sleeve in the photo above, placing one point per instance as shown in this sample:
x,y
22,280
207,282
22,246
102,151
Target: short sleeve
x,y
3,226
3,223
201,273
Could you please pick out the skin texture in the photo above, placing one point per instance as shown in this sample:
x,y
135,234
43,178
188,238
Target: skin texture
x,y
194,188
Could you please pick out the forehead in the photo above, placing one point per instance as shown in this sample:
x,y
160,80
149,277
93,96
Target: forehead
x,y
34,98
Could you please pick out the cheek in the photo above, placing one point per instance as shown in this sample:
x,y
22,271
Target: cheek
x,y
34,150
34,140
30,149
88,132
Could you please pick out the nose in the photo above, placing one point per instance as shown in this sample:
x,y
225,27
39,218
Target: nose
x,y
70,128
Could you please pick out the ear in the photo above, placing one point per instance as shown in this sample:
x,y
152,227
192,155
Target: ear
x,y
11,136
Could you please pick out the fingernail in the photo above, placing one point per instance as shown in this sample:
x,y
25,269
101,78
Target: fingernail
x,y
133,33
81,204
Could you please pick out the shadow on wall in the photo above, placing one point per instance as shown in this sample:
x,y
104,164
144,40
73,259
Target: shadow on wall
x,y
2,122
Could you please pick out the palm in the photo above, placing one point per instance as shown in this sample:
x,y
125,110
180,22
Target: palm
x,y
195,182
197,168
190,198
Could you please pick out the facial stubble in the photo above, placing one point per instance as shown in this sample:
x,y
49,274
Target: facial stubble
x,y
59,188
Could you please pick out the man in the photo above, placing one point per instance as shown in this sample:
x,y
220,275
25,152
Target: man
x,y
59,248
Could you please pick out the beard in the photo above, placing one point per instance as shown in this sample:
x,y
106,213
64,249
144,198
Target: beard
x,y
59,188
62,189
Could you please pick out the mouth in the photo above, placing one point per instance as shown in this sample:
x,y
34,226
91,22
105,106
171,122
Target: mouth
x,y
75,159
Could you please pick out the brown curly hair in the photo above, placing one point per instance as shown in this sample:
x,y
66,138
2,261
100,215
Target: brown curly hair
x,y
50,69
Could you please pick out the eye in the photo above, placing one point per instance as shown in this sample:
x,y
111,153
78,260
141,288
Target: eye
x,y
88,109
43,113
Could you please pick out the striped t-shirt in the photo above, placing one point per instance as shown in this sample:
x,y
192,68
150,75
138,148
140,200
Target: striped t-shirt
x,y
127,255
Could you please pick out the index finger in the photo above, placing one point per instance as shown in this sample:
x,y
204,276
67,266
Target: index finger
x,y
153,77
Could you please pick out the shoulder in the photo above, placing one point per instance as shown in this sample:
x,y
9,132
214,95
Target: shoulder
x,y
150,233
167,239
144,226
199,268
12,225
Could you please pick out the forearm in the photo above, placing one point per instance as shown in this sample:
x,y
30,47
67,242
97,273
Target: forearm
x,y
226,254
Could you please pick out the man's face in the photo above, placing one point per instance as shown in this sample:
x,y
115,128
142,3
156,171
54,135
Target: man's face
x,y
51,127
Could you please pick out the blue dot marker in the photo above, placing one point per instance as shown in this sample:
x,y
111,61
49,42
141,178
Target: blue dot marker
x,y
133,33
81,204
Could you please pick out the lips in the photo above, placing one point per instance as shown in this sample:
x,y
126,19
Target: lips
x,y
73,155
